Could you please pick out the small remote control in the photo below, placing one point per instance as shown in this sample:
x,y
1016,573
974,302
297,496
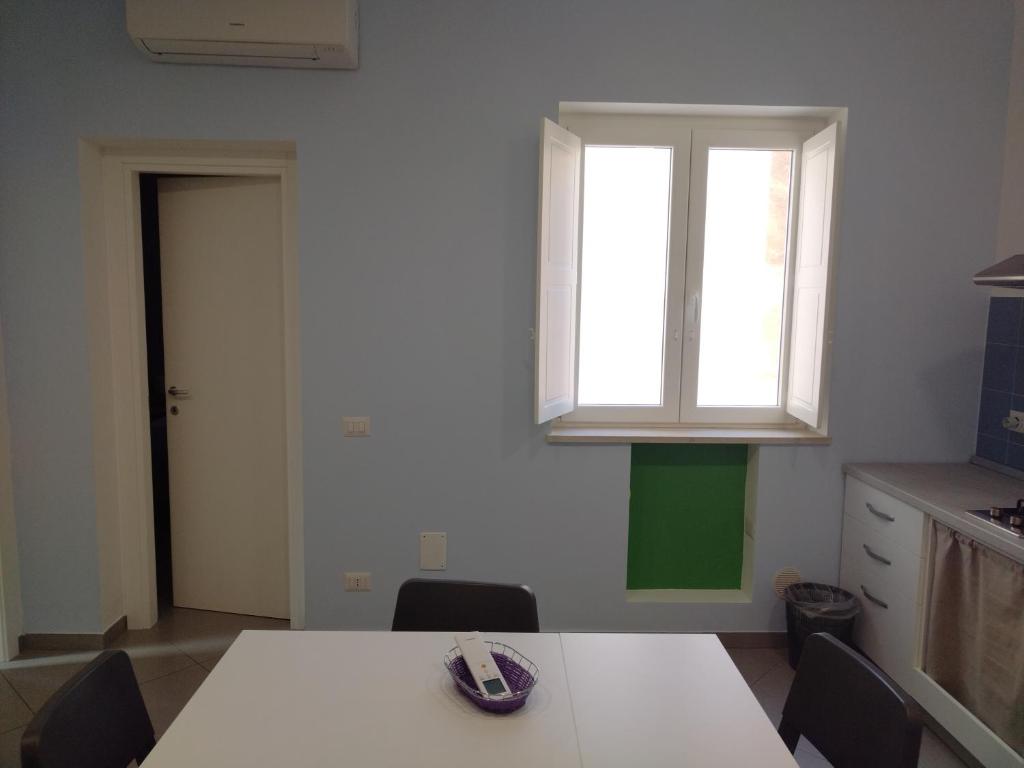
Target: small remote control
x,y
489,680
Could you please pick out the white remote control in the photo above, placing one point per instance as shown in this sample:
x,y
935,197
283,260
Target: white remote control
x,y
489,680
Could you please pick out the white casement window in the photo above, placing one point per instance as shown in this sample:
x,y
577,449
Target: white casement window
x,y
684,270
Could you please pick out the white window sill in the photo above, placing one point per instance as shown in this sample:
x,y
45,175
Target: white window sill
x,y
563,432
688,596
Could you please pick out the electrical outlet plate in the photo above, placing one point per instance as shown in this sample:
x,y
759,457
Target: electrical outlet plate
x,y
356,426
1014,422
357,581
433,551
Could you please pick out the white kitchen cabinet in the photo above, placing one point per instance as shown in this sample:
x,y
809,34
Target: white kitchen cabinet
x,y
891,518
882,564
886,560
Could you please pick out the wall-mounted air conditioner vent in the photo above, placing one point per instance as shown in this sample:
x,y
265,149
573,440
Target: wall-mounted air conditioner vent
x,y
268,33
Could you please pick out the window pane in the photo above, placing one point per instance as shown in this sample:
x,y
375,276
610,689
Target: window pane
x,y
626,195
745,244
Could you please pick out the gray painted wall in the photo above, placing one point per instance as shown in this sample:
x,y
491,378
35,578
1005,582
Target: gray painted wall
x,y
417,198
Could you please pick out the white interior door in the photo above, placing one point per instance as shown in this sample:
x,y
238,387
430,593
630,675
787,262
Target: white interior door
x,y
220,254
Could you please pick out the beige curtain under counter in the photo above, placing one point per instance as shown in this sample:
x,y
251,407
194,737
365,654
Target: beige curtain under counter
x,y
975,635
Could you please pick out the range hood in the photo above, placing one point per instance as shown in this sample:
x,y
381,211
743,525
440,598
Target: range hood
x,y
1008,273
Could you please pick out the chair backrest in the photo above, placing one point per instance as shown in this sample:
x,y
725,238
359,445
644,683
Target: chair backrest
x,y
437,605
849,709
96,720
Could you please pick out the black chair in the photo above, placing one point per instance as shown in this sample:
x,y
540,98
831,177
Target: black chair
x,y
436,605
96,720
849,709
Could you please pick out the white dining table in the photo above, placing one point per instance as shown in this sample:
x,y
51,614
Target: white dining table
x,y
305,699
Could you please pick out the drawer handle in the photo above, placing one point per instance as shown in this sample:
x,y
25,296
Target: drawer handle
x,y
880,515
874,599
875,556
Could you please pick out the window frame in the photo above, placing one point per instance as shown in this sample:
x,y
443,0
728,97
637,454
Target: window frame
x,y
650,133
685,134
734,138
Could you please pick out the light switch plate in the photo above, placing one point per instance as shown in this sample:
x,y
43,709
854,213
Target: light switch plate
x,y
356,426
433,551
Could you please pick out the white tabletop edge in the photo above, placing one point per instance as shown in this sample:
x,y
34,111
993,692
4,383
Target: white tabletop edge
x,y
588,695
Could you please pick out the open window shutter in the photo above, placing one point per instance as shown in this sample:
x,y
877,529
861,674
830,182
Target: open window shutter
x,y
557,271
808,350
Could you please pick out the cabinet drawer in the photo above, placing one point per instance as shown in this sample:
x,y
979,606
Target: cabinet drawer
x,y
883,514
886,629
888,566
888,635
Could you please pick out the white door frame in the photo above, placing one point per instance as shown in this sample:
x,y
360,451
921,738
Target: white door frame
x,y
117,348
10,589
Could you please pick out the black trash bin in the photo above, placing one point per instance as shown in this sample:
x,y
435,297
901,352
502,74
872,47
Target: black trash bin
x,y
812,607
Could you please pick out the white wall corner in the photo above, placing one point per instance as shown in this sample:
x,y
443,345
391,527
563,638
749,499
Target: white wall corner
x,y
108,525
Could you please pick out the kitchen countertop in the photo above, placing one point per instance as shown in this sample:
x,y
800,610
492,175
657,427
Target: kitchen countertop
x,y
946,491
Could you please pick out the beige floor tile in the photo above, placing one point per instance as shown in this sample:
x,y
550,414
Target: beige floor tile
x,y
755,663
170,660
37,658
209,662
804,746
166,695
206,635
13,711
935,754
806,759
771,691
10,748
152,657
37,677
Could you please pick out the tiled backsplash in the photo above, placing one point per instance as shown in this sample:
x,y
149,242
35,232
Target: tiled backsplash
x,y
1002,384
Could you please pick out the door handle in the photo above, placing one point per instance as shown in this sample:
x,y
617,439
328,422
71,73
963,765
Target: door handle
x,y
875,556
694,318
176,392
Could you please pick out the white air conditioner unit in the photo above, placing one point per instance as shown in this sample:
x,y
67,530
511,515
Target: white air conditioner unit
x,y
317,34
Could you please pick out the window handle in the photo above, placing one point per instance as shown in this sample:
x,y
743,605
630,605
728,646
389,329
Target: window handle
x,y
874,599
694,317
879,514
875,556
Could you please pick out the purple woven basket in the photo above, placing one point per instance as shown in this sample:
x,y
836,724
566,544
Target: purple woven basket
x,y
520,673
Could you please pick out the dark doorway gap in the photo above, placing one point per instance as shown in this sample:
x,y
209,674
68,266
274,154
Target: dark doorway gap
x,y
157,387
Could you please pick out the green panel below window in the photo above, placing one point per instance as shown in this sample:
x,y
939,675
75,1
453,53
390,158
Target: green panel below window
x,y
686,507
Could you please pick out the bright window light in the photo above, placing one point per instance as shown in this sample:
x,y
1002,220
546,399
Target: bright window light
x,y
626,196
743,292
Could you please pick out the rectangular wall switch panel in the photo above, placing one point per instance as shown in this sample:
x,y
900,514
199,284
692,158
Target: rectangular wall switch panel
x,y
433,551
357,581
356,426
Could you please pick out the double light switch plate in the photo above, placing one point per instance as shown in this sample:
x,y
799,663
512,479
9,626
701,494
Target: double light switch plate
x,y
356,426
